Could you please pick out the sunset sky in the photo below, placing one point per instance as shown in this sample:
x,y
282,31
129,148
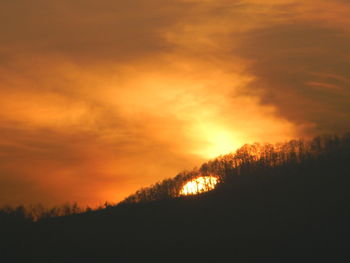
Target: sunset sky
x,y
101,97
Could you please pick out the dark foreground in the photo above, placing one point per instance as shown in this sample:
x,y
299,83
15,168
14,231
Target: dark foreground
x,y
300,214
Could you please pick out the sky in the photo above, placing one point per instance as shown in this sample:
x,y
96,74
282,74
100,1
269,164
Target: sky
x,y
101,97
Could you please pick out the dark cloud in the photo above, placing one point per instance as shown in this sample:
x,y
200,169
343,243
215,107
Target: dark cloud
x,y
304,70
85,30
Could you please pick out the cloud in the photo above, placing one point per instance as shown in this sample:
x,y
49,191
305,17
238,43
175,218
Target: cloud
x,y
88,30
52,166
99,98
303,70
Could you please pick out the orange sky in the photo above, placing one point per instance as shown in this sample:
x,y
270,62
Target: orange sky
x,y
100,98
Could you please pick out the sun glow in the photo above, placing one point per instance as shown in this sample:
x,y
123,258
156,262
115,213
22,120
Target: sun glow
x,y
215,139
220,142
199,185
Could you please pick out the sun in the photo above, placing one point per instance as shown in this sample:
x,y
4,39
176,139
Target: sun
x,y
199,185
213,138
222,142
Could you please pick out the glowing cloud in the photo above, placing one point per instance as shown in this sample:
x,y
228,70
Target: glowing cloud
x,y
99,98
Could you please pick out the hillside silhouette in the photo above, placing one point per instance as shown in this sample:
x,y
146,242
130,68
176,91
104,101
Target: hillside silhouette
x,y
285,202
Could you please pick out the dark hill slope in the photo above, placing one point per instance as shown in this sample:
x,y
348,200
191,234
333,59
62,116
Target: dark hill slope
x,y
291,212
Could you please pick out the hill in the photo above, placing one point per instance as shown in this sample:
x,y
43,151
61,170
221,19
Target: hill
x,y
286,202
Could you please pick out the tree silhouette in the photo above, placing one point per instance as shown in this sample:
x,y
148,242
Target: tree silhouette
x,y
256,158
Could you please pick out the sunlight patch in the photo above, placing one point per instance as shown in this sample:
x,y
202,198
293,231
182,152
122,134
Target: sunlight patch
x,y
199,185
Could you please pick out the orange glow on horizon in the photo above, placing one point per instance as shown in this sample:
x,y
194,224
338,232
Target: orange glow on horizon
x,y
199,185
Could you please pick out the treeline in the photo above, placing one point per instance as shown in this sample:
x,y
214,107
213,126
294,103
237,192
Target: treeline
x,y
257,159
39,212
252,159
